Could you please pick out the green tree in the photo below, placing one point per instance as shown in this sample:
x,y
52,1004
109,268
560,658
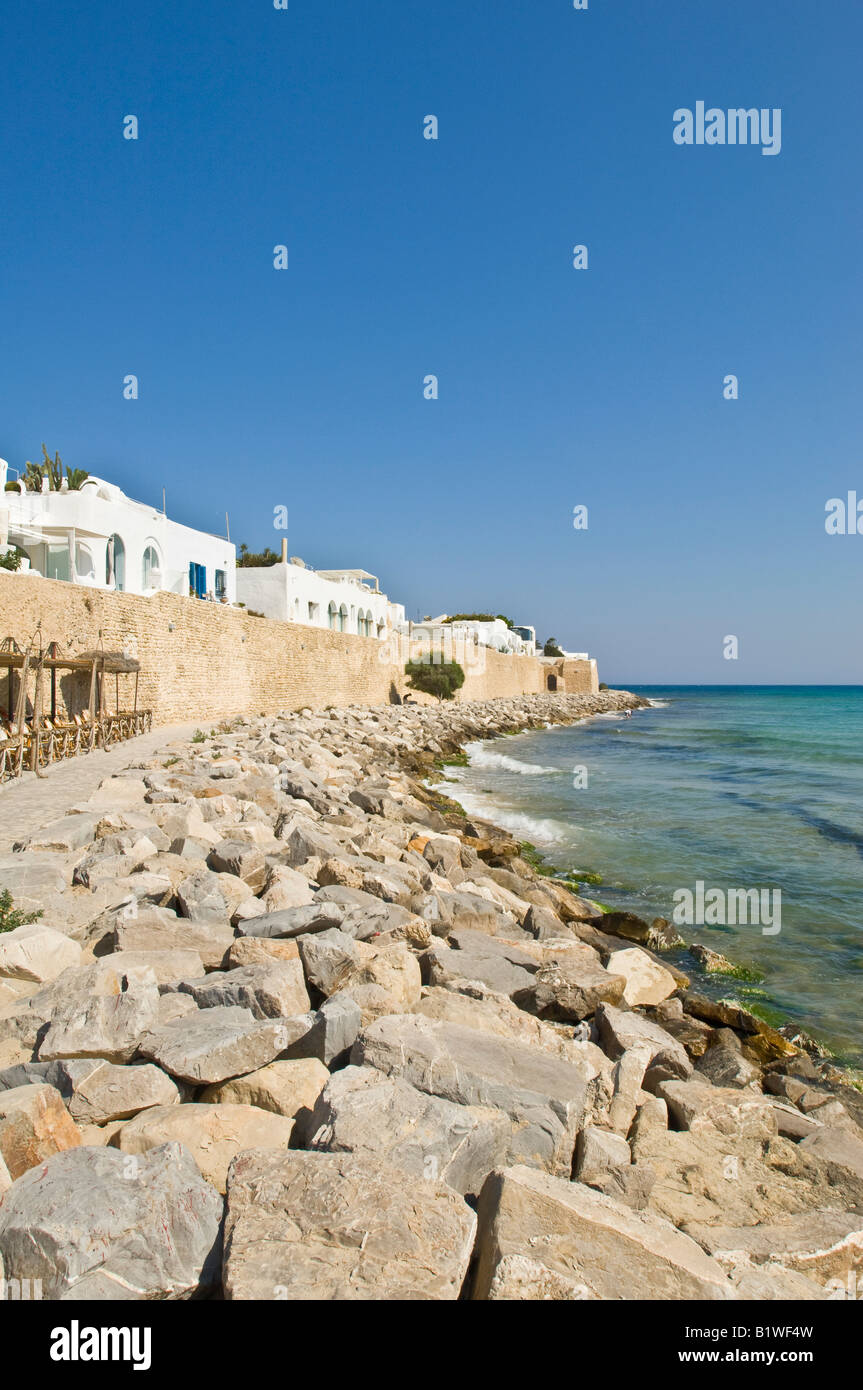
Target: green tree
x,y
440,679
250,559
551,648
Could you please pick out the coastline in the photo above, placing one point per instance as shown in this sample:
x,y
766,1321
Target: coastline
x,y
720,972
339,985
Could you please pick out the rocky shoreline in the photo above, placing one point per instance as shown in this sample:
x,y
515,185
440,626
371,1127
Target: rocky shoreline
x,y
292,1026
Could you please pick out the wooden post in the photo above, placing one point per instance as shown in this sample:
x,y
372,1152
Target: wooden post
x,y
22,709
91,708
37,716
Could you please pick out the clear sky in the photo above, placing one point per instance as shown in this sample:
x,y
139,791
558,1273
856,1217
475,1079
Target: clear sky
x,y
557,387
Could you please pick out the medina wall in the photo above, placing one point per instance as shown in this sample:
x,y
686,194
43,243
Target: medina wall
x,y
205,661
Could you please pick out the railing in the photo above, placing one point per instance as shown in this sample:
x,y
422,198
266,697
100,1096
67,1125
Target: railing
x,y
26,750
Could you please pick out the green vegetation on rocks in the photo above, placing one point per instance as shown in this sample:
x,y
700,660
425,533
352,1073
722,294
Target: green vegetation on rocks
x,y
11,917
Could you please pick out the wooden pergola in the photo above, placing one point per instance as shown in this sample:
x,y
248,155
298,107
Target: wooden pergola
x,y
47,737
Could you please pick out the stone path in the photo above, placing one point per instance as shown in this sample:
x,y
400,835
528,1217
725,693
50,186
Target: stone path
x,y
30,801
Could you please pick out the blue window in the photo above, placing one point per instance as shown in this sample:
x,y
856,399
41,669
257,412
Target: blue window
x,y
197,579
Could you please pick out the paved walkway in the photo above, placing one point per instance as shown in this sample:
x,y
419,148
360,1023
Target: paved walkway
x,y
29,802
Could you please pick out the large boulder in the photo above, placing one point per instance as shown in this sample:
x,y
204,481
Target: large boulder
x,y
337,1226
330,1032
212,1133
158,929
363,1111
620,1029
386,980
274,990
499,965
36,952
593,1243
545,1098
167,966
570,986
34,1124
288,1088
102,1010
92,1223
824,1245
244,860
212,1045
108,1092
836,1148
694,1105
646,981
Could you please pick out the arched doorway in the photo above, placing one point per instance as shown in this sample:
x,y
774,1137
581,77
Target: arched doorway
x,y
551,682
150,568
115,563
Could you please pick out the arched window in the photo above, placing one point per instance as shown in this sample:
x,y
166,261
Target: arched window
x,y
84,566
332,614
115,563
343,619
150,568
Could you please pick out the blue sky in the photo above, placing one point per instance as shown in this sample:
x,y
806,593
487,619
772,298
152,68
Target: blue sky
x,y
408,257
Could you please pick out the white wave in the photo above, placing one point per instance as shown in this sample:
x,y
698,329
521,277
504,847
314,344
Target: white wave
x,y
537,829
481,756
658,704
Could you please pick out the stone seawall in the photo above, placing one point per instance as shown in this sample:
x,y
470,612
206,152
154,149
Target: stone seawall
x,y
202,660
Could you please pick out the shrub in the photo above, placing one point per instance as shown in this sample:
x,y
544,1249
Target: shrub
x,y
478,618
11,559
12,917
551,648
441,680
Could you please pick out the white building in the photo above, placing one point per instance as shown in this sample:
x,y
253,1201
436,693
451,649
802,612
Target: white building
x,y
495,633
346,600
97,536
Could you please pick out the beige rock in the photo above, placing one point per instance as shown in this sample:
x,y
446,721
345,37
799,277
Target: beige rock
x,y
284,1088
37,953
286,888
213,1134
387,981
259,950
34,1124
167,966
824,1245
589,1239
521,1279
112,1092
647,982
696,1105
336,1226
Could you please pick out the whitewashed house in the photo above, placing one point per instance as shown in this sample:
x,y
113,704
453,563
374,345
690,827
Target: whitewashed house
x,y
348,600
495,633
97,536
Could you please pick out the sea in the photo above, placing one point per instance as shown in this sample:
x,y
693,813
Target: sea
x,y
730,787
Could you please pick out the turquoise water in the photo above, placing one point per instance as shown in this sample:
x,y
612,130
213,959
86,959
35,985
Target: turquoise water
x,y
738,787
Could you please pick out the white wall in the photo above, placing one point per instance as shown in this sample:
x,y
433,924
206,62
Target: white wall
x,y
48,525
297,595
